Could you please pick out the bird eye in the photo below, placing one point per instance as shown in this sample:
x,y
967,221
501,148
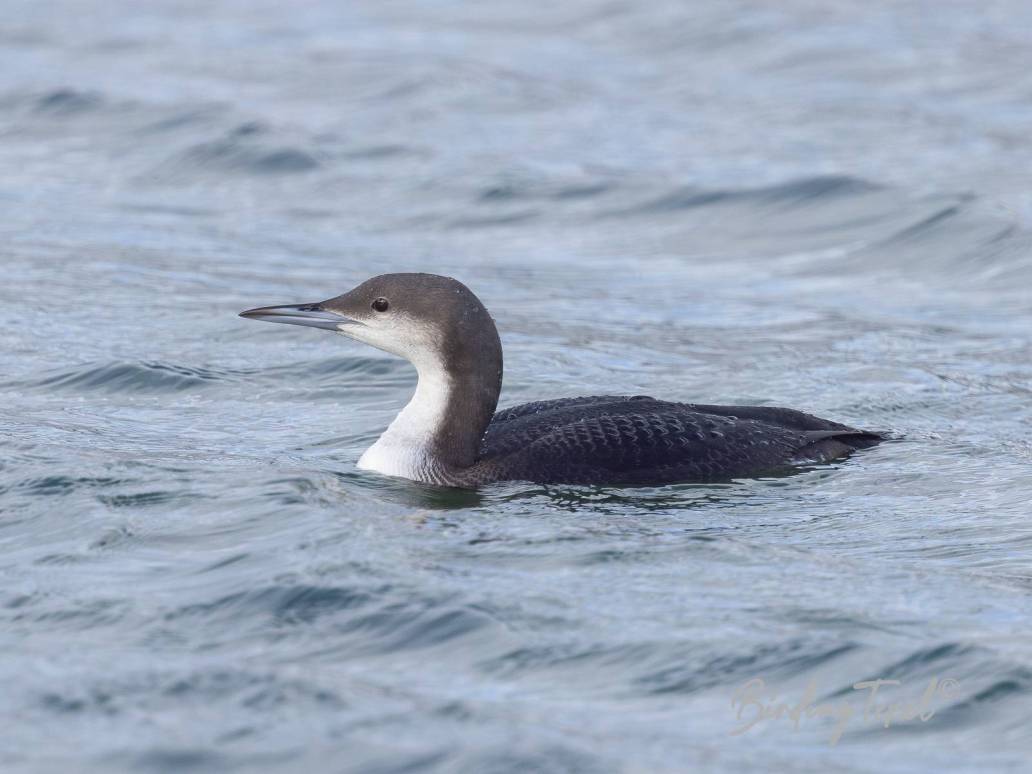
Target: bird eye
x,y
381,305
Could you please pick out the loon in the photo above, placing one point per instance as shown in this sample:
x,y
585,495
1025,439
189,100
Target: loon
x,y
450,434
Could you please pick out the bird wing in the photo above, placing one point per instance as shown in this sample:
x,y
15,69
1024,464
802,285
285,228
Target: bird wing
x,y
606,439
540,408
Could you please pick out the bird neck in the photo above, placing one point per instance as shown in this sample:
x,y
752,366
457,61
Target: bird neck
x,y
438,434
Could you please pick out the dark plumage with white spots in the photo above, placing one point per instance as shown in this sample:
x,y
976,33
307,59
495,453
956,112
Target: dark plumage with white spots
x,y
643,441
450,433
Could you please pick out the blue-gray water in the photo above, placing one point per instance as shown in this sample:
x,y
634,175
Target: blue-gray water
x,y
824,206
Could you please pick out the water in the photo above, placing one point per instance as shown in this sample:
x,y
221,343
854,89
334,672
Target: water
x,y
820,207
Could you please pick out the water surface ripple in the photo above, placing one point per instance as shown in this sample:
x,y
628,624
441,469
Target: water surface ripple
x,y
717,202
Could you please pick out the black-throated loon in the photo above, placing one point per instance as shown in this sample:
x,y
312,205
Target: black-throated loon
x,y
450,434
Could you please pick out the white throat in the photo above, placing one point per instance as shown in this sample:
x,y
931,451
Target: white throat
x,y
404,448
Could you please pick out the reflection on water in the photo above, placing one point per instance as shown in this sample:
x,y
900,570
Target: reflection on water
x,y
710,203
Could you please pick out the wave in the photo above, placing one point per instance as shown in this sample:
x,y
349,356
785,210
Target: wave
x,y
251,148
157,376
376,619
66,102
284,604
656,668
49,486
119,376
789,194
